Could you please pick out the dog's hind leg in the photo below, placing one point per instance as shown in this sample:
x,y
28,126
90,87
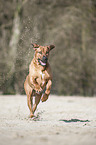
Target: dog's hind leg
x,y
37,100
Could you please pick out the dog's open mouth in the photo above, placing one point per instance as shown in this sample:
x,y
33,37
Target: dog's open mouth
x,y
41,62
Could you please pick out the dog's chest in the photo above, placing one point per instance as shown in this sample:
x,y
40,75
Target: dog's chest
x,y
42,75
42,78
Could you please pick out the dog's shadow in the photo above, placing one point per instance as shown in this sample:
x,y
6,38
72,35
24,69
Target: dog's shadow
x,y
73,120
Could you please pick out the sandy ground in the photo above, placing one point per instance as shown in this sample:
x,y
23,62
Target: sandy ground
x,y
60,120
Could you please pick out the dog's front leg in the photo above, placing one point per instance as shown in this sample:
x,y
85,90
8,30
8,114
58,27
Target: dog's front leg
x,y
47,92
30,103
34,84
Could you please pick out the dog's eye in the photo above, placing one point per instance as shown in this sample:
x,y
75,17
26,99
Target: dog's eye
x,y
40,52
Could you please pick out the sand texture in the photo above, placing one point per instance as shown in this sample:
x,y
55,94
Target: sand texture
x,y
60,121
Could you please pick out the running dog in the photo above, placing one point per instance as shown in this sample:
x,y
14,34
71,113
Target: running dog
x,y
39,77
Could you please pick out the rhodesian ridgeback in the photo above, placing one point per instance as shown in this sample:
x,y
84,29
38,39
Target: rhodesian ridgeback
x,y
39,77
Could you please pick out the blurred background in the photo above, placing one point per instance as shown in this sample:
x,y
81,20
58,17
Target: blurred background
x,y
68,24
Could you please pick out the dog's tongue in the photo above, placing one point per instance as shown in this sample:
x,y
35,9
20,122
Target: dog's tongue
x,y
42,63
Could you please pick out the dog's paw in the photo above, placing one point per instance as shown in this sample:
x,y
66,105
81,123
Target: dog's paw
x,y
44,97
31,116
38,90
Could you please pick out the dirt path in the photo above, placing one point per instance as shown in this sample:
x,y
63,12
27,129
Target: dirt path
x,y
60,120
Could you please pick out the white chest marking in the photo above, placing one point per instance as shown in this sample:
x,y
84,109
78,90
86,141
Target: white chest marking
x,y
42,75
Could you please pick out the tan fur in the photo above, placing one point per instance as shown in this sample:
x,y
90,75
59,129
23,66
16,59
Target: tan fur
x,y
38,78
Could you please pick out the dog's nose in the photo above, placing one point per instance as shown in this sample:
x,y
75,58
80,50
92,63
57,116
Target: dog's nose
x,y
45,58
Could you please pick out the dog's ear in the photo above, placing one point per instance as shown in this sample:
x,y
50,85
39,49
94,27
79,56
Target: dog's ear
x,y
51,47
35,46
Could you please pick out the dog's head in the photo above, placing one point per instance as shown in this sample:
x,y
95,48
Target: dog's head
x,y
42,53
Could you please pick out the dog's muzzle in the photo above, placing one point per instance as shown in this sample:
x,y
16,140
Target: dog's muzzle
x,y
43,61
